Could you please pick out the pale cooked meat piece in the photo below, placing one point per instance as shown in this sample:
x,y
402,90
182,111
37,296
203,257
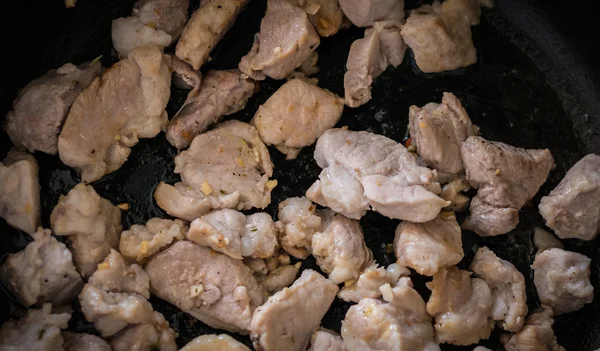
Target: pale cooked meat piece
x,y
438,130
257,265
142,241
130,32
234,234
128,102
543,240
184,76
370,280
226,159
84,342
401,323
392,45
288,318
42,272
155,335
222,93
384,173
92,223
296,115
310,67
325,15
297,224
113,275
111,312
365,63
339,190
206,28
212,342
215,288
339,247
452,192
509,299
507,177
427,247
42,105
461,306
326,340
286,39
260,236
363,13
440,34
536,335
188,204
279,278
20,191
562,280
571,209
38,330
169,16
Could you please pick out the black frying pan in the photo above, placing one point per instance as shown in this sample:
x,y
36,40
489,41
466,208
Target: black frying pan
x,y
536,85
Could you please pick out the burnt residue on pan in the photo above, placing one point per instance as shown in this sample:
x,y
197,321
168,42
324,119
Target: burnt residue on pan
x,y
508,94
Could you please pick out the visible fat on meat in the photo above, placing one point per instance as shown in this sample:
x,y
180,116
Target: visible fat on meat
x,y
215,288
289,317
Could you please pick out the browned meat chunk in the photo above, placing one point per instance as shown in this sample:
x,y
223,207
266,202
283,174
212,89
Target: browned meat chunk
x,y
206,28
507,177
41,107
571,209
440,34
184,76
363,13
127,103
20,191
215,288
296,115
286,40
222,93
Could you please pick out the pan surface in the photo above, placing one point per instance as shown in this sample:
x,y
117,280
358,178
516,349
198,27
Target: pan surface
x,y
531,88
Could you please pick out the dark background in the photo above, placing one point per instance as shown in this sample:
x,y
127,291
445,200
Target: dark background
x,y
536,85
